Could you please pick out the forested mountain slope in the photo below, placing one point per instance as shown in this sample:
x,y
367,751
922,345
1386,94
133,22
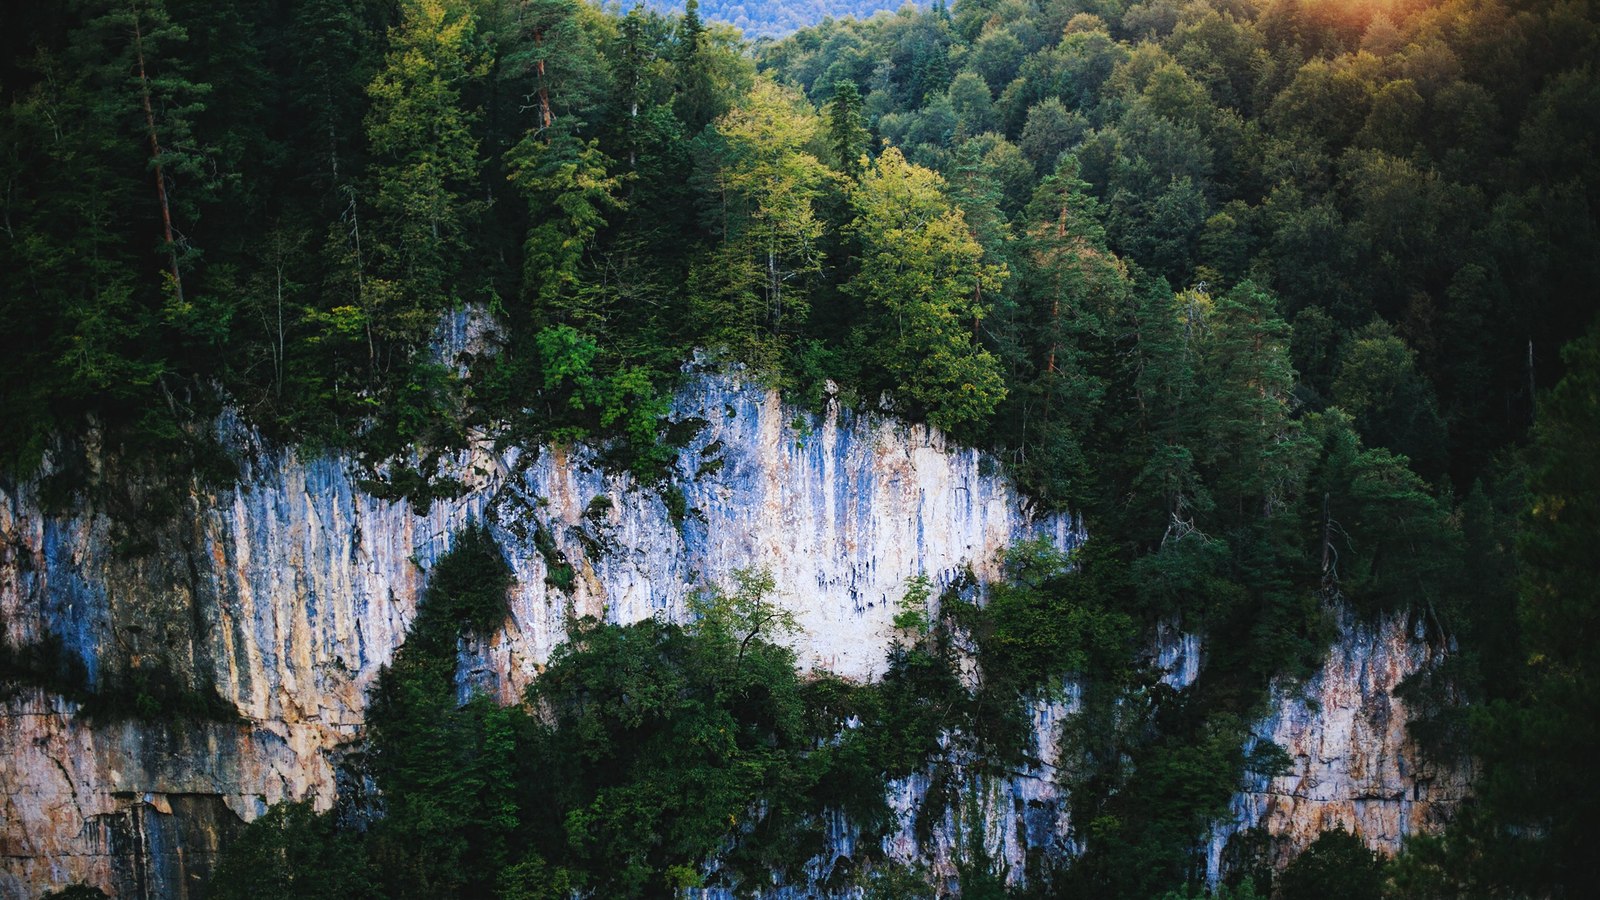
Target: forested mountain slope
x,y
765,20
1267,290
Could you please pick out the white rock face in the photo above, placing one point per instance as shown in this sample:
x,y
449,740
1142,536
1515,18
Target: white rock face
x,y
1353,765
291,589
1011,818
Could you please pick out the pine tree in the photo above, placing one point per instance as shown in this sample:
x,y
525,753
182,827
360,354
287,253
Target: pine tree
x,y
633,56
1072,287
332,45
697,102
139,38
1551,741
569,189
847,130
1254,447
1071,270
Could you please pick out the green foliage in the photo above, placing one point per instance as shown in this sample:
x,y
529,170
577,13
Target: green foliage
x,y
1519,840
765,184
148,691
151,691
668,745
74,892
342,167
1246,890
661,741
533,879
924,282
742,615
1337,864
426,161
1387,541
444,767
584,394
847,130
466,588
44,662
294,851
1048,619
568,185
1393,407
899,884
655,749
1146,831
559,573
777,19
913,615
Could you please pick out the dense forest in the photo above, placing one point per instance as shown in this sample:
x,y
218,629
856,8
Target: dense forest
x,y
1274,292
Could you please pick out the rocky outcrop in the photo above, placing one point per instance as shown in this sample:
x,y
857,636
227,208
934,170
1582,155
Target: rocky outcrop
x,y
138,810
1352,763
286,591
290,589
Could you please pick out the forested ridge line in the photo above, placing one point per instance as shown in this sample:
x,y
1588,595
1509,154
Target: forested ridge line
x,y
1267,289
767,20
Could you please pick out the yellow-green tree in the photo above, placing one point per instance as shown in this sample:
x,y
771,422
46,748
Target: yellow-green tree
x,y
926,289
753,291
426,164
569,190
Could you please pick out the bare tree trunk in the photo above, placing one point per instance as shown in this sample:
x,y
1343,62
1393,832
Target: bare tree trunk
x,y
155,158
277,356
1055,305
1327,543
333,134
355,239
775,289
1533,407
545,116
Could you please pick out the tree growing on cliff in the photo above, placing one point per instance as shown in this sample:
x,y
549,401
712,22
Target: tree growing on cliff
x,y
926,290
762,185
570,191
426,165
1337,864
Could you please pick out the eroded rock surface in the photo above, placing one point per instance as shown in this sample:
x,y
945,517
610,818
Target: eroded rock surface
x,y
287,591
1353,764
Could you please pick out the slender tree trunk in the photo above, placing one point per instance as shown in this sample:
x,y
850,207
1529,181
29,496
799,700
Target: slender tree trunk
x,y
155,158
633,127
333,133
775,289
1055,304
361,291
545,117
277,360
1533,407
1327,543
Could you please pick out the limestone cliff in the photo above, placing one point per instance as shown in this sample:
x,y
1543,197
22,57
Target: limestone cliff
x,y
288,590
1352,762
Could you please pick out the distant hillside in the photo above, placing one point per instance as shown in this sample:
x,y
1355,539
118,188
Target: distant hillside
x,y
762,18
